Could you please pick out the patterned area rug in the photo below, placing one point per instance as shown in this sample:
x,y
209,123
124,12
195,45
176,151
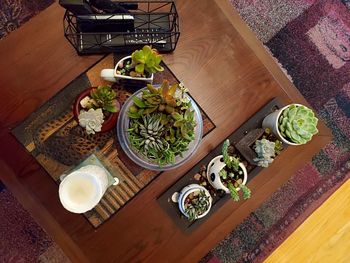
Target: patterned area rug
x,y
311,40
14,13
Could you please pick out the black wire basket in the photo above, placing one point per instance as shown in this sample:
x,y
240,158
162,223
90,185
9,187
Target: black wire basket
x,y
154,23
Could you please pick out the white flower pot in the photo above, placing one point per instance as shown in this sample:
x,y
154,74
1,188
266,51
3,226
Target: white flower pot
x,y
213,169
112,76
271,122
188,190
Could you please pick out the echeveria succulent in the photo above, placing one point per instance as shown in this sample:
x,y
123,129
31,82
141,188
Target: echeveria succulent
x,y
297,124
146,60
91,120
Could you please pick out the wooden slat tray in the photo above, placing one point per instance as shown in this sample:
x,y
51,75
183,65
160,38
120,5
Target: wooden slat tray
x,y
172,208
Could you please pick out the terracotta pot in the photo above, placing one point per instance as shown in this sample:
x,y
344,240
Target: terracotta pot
x,y
108,124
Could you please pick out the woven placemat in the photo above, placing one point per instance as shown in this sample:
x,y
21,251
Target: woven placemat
x,y
54,138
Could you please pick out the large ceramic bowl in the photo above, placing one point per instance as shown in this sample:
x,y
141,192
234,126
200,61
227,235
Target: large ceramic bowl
x,y
123,137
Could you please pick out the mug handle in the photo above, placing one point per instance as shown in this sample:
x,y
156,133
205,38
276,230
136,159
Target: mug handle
x,y
108,74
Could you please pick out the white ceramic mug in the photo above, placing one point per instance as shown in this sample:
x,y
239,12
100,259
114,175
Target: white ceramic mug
x,y
82,190
112,76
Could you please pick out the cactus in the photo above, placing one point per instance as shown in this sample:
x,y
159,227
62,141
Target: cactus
x,y
231,174
297,124
230,161
265,151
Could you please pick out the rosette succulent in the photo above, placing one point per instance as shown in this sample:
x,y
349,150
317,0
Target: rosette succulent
x,y
91,120
297,124
146,60
143,63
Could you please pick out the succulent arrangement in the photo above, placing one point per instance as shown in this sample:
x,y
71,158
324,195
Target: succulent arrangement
x,y
297,124
196,204
231,175
162,123
99,104
142,63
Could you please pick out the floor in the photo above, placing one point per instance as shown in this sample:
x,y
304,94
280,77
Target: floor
x,y
323,237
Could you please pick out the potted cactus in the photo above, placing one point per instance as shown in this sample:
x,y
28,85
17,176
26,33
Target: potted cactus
x,y
294,124
162,126
226,172
96,109
194,201
137,69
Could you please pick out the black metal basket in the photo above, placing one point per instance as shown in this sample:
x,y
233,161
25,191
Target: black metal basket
x,y
153,22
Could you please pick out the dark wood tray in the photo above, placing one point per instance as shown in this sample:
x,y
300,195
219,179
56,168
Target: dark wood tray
x,y
172,208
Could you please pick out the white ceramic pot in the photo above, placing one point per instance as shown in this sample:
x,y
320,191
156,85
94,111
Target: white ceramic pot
x,y
111,74
271,122
82,190
213,169
188,190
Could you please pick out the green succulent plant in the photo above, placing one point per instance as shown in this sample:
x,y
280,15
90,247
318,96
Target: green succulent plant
x,y
230,161
161,108
298,124
105,97
146,60
156,99
197,206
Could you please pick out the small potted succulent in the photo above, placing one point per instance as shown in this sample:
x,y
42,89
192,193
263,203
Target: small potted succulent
x,y
294,124
226,172
136,70
265,151
162,126
194,201
96,109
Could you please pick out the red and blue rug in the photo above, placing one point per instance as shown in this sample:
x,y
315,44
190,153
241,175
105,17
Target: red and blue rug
x,y
311,40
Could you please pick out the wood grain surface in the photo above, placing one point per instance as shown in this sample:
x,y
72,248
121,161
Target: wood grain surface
x,y
323,237
230,75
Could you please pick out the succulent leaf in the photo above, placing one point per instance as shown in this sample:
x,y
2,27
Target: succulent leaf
x,y
298,124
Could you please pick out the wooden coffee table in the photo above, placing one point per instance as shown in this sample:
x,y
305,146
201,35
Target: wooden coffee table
x,y
229,74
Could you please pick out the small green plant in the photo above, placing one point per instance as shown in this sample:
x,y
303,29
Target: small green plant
x,y
196,204
146,60
104,97
230,161
298,124
265,151
232,174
